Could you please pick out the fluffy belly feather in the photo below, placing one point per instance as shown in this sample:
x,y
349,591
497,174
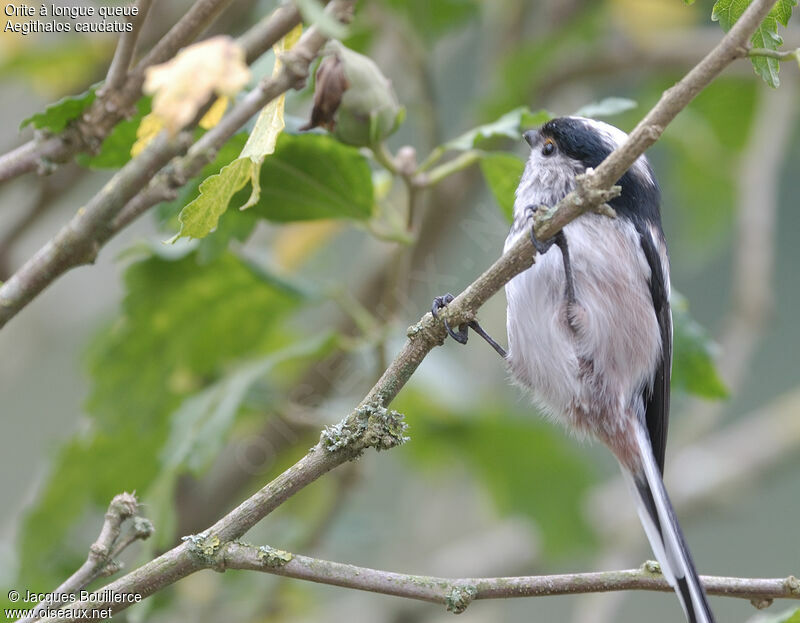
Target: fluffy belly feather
x,y
592,372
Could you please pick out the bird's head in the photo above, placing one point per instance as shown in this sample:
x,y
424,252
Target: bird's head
x,y
567,146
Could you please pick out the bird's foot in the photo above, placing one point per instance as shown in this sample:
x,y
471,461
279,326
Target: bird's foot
x,y
439,303
541,246
461,336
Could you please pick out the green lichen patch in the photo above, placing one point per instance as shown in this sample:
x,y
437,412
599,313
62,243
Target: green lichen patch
x,y
204,546
369,426
143,527
651,566
386,429
271,557
459,598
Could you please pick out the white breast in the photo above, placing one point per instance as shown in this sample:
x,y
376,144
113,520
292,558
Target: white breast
x,y
602,367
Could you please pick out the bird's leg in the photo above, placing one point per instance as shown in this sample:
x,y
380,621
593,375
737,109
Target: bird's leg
x,y
569,288
573,309
461,335
542,247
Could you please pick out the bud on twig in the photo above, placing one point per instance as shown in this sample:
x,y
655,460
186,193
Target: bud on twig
x,y
353,99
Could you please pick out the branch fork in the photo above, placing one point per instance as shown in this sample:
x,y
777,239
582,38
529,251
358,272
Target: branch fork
x,y
110,543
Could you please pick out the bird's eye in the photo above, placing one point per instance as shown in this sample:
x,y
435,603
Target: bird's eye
x,y
549,147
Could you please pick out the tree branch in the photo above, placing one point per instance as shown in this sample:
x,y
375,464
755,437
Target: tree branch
x,y
261,37
457,594
126,48
102,552
79,241
88,132
371,424
135,187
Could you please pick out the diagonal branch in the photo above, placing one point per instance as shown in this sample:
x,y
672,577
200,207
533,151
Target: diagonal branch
x,y
371,424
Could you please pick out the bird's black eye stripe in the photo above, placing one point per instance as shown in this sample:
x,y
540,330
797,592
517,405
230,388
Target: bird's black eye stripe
x,y
549,147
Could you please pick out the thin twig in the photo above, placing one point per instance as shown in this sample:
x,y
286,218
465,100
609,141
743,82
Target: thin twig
x,y
261,37
458,593
78,242
778,55
126,48
123,507
371,424
50,188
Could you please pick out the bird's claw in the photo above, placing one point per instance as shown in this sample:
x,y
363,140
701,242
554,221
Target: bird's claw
x,y
439,303
460,336
541,246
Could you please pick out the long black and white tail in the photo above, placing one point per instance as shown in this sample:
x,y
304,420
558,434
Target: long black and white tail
x,y
665,536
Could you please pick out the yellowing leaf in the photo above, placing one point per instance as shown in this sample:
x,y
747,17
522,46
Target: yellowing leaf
x,y
270,122
181,86
269,125
148,129
214,114
200,217
290,40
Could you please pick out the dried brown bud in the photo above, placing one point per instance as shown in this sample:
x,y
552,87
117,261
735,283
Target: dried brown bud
x,y
331,83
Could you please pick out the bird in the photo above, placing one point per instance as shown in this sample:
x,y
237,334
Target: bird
x,y
590,327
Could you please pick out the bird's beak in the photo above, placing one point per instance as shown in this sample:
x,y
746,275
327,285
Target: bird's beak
x,y
530,136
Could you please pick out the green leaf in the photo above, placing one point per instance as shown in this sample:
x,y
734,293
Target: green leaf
x,y
434,19
607,107
181,326
233,224
200,427
200,217
195,318
727,12
510,125
313,176
115,151
704,148
693,368
502,172
527,466
309,176
167,212
57,116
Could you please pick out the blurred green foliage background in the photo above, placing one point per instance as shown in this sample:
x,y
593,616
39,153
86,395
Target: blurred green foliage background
x,y
193,373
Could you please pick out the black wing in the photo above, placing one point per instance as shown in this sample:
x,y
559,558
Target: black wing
x,y
657,400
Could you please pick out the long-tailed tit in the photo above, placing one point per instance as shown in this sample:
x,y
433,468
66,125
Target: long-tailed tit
x,y
590,327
